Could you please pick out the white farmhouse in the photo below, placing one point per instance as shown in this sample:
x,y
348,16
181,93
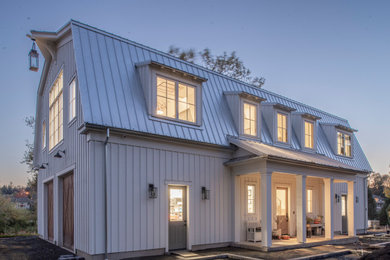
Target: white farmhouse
x,y
141,153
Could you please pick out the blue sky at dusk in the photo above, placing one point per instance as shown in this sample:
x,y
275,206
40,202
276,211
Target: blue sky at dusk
x,y
333,55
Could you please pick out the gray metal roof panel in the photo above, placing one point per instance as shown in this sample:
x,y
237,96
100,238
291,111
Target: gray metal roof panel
x,y
111,94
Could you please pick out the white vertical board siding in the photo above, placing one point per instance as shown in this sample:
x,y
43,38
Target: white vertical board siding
x,y
136,222
340,189
75,146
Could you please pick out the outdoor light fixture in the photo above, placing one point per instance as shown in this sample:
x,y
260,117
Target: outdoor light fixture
x,y
43,166
357,199
337,198
152,191
58,154
205,194
33,57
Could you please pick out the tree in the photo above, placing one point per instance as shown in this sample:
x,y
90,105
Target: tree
x,y
371,205
375,181
229,65
384,213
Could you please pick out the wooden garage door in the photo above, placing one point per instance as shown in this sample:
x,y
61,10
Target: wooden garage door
x,y
50,232
68,211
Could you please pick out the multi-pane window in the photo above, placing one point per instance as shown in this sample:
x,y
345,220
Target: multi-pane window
x,y
72,100
309,194
43,135
56,112
250,121
344,144
281,201
343,205
282,127
309,139
168,105
251,200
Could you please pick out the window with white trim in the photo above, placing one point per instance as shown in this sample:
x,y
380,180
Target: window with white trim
x,y
309,134
282,127
175,100
56,112
43,135
72,100
250,119
309,194
251,199
344,146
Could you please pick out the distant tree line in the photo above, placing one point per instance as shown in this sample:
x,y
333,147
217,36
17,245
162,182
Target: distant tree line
x,y
379,185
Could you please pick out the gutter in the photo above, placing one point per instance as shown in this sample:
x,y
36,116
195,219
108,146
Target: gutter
x,y
105,196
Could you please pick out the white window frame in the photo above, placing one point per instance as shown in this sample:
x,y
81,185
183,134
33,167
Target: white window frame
x,y
254,199
287,127
178,80
60,125
312,133
44,141
72,100
242,116
343,134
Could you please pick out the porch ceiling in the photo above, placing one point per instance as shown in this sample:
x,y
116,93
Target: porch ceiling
x,y
288,155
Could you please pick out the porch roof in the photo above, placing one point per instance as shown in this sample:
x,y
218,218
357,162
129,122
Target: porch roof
x,y
272,152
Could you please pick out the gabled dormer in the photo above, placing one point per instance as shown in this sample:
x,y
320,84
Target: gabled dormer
x,y
278,119
171,94
245,109
340,138
305,127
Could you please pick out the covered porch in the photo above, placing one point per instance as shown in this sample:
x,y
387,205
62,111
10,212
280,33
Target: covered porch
x,y
282,202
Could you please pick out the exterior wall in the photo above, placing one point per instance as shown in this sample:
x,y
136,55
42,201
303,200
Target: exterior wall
x,y
136,222
75,146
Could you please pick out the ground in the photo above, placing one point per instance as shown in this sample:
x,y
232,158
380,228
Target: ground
x,y
32,247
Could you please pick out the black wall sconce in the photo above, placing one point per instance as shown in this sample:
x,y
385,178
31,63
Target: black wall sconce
x,y
205,194
337,198
357,199
58,154
43,166
152,191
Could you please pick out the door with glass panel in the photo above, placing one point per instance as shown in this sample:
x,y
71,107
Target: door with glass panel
x,y
282,209
344,219
177,217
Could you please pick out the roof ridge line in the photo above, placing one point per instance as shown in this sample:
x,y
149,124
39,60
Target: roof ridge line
x,y
87,26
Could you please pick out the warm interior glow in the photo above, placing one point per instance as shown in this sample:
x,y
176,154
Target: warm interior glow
x,y
344,146
251,198
43,135
72,100
282,127
343,205
186,103
175,204
309,195
250,119
309,140
56,112
281,202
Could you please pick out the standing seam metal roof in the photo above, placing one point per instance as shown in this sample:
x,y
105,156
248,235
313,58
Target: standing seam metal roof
x,y
112,95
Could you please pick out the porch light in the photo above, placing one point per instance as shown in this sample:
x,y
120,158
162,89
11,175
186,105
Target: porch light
x,y
152,191
205,194
33,57
357,199
58,154
43,166
337,198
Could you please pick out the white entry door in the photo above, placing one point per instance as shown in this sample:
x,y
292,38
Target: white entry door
x,y
177,217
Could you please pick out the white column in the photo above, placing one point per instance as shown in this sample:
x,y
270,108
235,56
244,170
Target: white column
x,y
329,204
351,209
266,208
236,209
301,207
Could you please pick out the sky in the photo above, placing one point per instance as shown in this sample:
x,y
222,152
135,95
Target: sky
x,y
333,55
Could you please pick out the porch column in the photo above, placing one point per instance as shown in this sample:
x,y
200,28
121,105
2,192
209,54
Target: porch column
x,y
351,209
266,208
329,199
301,208
236,209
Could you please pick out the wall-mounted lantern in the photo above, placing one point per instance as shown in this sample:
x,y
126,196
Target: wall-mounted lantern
x,y
152,191
357,199
58,154
33,58
42,167
337,198
205,194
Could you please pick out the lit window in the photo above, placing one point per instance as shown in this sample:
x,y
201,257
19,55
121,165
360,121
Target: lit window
x,y
176,205
56,112
250,121
344,144
43,135
72,100
343,203
251,199
282,128
309,140
309,201
167,102
281,202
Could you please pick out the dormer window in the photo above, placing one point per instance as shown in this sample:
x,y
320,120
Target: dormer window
x,y
344,144
309,134
250,119
282,127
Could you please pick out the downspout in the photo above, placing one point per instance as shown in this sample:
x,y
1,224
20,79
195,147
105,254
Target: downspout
x,y
365,204
105,196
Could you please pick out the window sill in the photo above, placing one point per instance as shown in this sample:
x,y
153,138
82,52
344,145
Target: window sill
x,y
175,122
344,156
56,146
71,122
